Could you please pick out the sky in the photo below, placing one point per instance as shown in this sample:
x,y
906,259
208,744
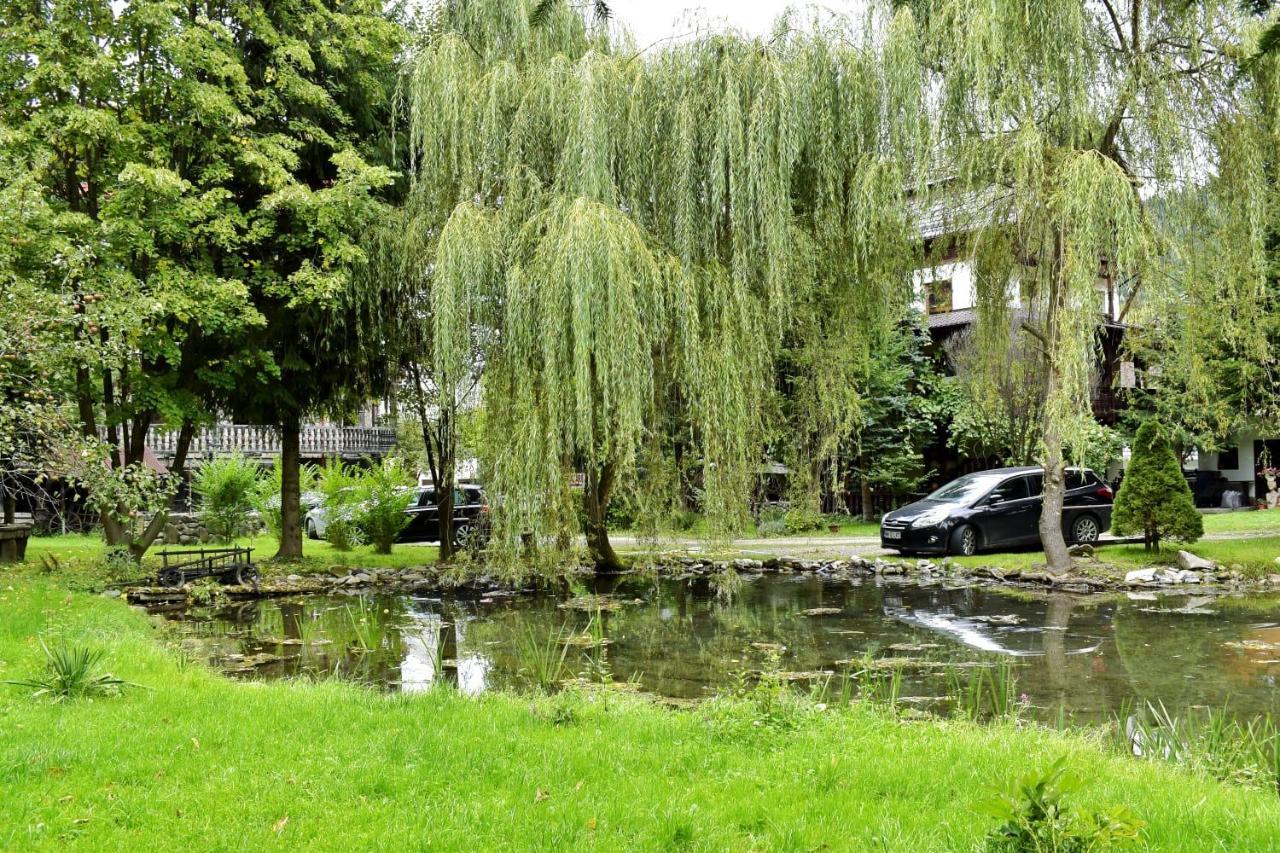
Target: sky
x,y
652,20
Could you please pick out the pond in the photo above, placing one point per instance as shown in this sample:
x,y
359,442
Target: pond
x,y
1084,658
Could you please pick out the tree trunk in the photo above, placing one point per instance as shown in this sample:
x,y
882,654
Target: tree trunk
x,y
444,486
865,484
290,490
1055,545
599,484
8,502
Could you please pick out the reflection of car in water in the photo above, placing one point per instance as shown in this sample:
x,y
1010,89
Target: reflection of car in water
x,y
470,516
1013,634
996,508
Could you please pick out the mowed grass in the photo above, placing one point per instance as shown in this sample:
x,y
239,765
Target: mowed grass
x,y
1254,556
202,763
82,554
1257,521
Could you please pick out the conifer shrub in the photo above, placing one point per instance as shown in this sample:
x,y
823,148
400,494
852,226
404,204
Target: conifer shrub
x,y
1154,498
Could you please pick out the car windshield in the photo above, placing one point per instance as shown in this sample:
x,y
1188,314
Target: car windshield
x,y
967,488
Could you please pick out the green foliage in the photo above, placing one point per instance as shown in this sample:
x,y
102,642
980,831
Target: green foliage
x,y
1243,751
384,494
339,482
226,488
802,520
1036,819
70,673
629,333
542,657
266,494
1154,498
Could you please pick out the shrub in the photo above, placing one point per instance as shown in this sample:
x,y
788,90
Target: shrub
x,y
1154,498
339,483
226,488
384,496
266,495
1036,819
801,520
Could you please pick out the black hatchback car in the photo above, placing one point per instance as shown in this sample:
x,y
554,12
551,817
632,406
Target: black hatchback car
x,y
996,508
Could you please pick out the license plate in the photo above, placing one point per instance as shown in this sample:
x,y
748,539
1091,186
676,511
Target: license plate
x,y
891,534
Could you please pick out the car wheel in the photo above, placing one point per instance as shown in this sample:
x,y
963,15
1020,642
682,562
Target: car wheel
x,y
964,541
1085,530
311,530
461,534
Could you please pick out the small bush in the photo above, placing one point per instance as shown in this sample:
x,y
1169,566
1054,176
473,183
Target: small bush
x,y
339,483
772,527
226,488
384,495
800,520
1034,818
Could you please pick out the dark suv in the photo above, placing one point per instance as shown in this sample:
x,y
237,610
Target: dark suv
x,y
470,516
993,509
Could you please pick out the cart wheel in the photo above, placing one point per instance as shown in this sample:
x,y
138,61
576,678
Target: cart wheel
x,y
172,578
247,576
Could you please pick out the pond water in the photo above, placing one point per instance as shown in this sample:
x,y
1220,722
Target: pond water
x,y
1085,658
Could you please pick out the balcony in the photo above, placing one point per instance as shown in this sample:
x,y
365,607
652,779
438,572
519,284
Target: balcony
x,y
317,442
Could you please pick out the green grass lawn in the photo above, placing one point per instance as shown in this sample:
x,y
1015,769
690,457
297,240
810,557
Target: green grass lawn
x,y
1255,556
1258,521
80,555
201,763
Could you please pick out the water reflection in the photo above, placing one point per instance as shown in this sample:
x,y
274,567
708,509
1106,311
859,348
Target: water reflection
x,y
1086,656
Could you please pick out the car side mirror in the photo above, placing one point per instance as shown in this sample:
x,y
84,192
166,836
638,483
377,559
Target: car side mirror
x,y
995,498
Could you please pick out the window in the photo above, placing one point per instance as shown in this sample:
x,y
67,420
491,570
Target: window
x,y
937,296
1015,489
1229,459
428,498
1035,482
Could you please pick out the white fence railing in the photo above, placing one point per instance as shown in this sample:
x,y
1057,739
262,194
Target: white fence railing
x,y
315,441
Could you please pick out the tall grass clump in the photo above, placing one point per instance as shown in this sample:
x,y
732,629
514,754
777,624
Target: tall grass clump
x,y
266,495
72,673
226,488
542,657
985,692
1244,751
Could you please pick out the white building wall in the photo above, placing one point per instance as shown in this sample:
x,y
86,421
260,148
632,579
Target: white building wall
x,y
961,275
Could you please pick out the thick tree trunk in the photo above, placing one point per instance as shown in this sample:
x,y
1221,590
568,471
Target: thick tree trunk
x,y
1055,546
599,484
290,490
865,484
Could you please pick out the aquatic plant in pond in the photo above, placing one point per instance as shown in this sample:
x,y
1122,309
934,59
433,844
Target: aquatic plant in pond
x,y
542,657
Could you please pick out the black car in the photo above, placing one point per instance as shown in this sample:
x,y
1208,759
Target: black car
x,y
993,509
470,516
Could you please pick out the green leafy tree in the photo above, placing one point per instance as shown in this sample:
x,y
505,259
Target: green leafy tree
x,y
1053,117
645,227
1154,498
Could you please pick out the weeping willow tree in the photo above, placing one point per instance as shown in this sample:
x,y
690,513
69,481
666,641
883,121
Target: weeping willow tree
x,y
1060,126
643,233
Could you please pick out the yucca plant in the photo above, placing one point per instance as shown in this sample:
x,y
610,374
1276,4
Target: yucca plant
x,y
70,673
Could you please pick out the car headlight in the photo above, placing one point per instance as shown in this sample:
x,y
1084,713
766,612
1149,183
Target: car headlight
x,y
931,518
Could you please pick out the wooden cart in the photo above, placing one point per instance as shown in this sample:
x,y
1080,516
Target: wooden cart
x,y
228,565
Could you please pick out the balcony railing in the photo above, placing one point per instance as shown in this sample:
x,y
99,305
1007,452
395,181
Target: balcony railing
x,y
315,441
